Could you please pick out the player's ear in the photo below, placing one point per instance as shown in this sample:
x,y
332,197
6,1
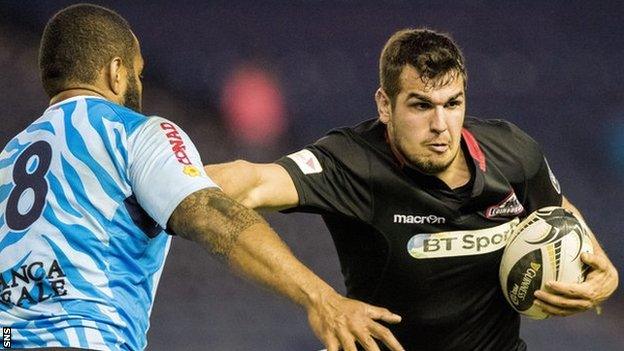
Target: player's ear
x,y
384,106
116,76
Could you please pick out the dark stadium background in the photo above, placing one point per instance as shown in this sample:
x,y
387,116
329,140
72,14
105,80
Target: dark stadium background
x,y
553,68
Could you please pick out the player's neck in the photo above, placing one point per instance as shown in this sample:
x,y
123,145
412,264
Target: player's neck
x,y
78,91
458,173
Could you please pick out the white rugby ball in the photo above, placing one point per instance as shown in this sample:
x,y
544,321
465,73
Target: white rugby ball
x,y
546,246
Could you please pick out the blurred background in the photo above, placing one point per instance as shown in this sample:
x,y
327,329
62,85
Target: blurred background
x,y
259,79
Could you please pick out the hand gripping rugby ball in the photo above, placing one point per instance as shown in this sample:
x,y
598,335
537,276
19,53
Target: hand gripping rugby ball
x,y
546,246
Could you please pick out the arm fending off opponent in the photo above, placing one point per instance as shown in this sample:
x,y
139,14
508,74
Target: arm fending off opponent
x,y
261,186
242,237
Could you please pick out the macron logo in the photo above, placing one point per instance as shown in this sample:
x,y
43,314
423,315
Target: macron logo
x,y
410,219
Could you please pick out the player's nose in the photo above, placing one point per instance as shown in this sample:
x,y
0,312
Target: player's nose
x,y
437,123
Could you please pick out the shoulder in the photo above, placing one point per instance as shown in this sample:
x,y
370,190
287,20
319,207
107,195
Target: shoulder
x,y
134,122
506,144
502,134
350,146
111,111
348,141
342,150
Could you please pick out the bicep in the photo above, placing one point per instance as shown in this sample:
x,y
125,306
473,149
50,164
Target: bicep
x,y
256,185
276,189
331,176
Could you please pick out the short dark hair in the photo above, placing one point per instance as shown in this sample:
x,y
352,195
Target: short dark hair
x,y
432,54
78,41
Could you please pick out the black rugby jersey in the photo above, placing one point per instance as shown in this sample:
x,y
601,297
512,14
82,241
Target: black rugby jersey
x,y
406,243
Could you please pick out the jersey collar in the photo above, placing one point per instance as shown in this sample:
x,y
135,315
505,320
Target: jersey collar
x,y
73,98
468,143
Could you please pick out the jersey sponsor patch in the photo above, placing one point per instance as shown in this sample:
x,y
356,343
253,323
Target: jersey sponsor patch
x,y
510,207
461,242
177,143
307,162
32,282
553,179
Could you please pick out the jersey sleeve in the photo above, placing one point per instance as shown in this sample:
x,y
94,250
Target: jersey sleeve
x,y
542,188
331,177
164,168
539,187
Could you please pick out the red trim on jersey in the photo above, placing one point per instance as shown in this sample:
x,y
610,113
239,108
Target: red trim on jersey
x,y
474,149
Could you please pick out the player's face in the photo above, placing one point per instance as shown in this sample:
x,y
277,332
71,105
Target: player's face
x,y
425,123
134,90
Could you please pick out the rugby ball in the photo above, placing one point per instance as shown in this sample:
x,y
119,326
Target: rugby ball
x,y
546,246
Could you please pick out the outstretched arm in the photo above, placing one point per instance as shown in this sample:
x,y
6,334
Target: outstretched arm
x,y
564,299
256,185
248,244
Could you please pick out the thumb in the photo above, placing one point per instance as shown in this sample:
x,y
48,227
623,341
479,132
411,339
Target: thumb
x,y
593,260
383,314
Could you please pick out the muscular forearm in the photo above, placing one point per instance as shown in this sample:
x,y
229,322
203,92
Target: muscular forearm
x,y
248,244
611,279
570,207
260,254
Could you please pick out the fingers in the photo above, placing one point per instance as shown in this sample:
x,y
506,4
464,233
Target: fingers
x,y
564,299
344,323
572,290
365,338
346,336
385,335
331,343
383,314
564,302
366,341
346,340
378,331
555,310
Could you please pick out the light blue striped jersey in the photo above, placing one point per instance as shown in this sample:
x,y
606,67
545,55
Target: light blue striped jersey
x,y
85,191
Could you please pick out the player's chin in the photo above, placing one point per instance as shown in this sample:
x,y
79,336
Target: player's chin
x,y
432,165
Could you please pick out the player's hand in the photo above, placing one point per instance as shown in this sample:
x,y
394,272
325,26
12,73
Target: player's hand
x,y
564,299
340,322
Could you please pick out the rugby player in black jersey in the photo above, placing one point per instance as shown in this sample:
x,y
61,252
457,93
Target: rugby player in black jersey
x,y
419,201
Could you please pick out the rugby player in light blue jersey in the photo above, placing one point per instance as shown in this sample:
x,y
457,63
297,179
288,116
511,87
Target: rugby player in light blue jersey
x,y
88,190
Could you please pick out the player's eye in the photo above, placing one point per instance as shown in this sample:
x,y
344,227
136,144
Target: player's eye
x,y
422,106
453,104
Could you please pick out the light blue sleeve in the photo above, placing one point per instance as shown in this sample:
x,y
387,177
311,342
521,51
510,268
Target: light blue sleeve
x,y
164,168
